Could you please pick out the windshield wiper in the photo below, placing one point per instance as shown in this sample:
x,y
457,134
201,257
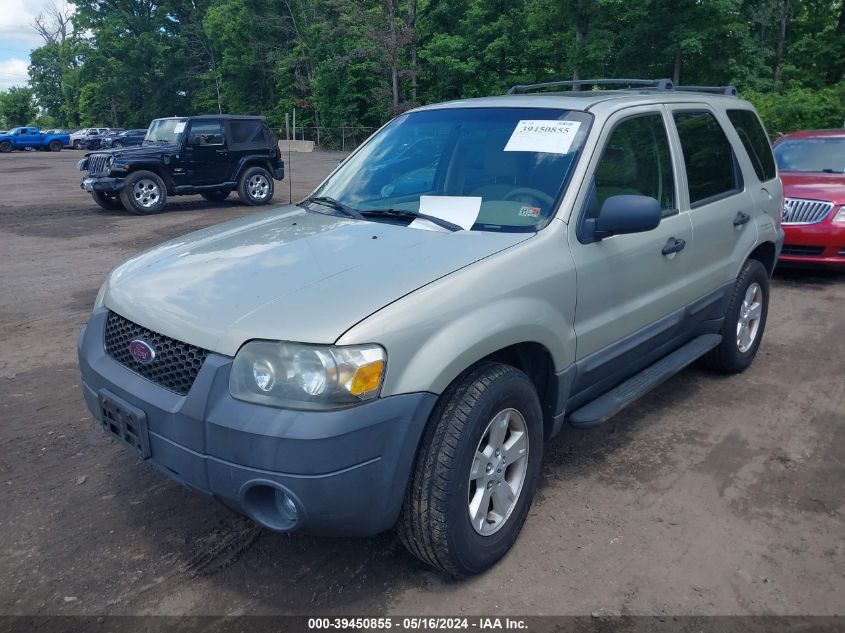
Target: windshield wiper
x,y
337,205
405,214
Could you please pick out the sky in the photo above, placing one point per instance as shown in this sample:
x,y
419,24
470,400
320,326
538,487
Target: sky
x,y
18,38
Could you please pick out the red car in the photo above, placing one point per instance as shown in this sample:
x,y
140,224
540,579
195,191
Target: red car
x,y
812,168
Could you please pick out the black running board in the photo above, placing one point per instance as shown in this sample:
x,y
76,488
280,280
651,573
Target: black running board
x,y
595,412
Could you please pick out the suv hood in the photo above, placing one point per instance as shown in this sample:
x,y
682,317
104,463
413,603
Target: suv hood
x,y
286,274
814,186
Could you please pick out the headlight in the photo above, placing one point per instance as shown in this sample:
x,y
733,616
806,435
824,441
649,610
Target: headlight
x,y
306,376
840,215
80,166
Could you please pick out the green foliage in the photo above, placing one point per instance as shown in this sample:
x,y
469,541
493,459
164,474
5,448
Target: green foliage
x,y
357,62
17,107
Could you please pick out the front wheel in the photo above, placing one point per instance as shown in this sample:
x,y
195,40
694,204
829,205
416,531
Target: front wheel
x,y
476,471
255,186
107,201
143,193
745,320
5,147
117,145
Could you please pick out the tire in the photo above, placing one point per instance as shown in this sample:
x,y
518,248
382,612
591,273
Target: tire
x,y
77,144
117,145
255,186
435,524
143,193
109,202
55,146
216,196
5,147
740,344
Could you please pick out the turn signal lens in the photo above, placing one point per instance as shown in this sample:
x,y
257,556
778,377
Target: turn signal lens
x,y
367,378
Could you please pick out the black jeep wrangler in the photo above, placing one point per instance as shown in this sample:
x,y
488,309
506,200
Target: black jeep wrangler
x,y
210,155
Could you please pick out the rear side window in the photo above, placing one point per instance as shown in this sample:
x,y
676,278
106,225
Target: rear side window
x,y
711,168
247,134
755,141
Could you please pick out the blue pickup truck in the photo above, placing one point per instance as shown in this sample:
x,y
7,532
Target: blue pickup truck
x,y
24,137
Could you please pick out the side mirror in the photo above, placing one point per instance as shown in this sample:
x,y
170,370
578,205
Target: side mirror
x,y
627,214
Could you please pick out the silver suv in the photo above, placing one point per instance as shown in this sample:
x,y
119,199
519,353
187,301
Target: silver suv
x,y
395,349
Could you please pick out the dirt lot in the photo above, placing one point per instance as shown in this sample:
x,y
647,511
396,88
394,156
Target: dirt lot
x,y
712,495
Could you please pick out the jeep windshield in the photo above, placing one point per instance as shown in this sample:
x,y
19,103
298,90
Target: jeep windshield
x,y
165,131
811,154
511,164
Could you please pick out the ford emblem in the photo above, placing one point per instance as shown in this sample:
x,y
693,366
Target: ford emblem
x,y
142,351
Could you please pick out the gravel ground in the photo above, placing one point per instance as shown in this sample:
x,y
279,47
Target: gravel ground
x,y
712,495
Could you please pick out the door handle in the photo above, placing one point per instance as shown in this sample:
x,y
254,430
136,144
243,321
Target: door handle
x,y
741,218
674,245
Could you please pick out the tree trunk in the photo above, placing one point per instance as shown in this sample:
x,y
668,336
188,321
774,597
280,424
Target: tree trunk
x,y
676,71
412,31
781,41
583,11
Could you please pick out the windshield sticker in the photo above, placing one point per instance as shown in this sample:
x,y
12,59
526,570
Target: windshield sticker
x,y
549,137
529,212
180,127
460,210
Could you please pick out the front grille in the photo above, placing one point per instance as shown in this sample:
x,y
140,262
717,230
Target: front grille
x,y
800,211
802,251
175,365
98,163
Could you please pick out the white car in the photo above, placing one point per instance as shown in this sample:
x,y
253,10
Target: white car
x,y
77,138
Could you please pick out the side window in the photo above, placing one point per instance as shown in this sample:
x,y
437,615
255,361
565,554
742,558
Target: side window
x,y
755,141
205,133
246,133
636,160
710,164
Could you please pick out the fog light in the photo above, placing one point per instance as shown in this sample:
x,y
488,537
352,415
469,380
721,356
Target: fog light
x,y
286,506
264,375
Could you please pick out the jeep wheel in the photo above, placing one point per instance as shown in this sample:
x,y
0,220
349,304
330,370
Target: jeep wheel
x,y
55,146
476,471
108,201
255,186
143,193
5,147
77,144
218,195
745,320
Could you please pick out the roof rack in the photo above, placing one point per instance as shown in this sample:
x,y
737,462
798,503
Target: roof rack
x,y
659,84
730,91
653,84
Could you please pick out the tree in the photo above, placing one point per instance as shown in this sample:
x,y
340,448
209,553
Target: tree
x,y
17,106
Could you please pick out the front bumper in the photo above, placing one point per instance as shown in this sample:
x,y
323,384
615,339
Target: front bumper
x,y
821,244
346,470
102,183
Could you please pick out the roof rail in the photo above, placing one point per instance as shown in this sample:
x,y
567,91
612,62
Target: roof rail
x,y
659,84
730,91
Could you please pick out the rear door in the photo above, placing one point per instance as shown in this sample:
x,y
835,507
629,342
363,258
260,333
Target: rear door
x,y
629,286
720,205
207,159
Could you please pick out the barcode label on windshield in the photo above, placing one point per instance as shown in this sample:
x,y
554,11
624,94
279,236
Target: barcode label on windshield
x,y
550,137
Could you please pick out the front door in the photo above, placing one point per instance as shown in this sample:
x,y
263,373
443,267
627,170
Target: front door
x,y
206,155
631,288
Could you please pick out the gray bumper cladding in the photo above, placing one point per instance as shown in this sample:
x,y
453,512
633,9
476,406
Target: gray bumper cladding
x,y
344,471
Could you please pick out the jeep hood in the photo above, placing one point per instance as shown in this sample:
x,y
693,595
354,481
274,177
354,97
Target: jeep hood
x,y
286,274
137,151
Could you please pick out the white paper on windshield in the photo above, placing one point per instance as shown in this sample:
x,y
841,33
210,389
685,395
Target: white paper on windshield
x,y
460,210
550,137
179,128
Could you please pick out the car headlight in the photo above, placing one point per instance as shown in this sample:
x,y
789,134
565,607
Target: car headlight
x,y
840,215
303,376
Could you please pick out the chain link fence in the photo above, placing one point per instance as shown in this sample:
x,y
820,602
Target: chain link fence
x,y
343,139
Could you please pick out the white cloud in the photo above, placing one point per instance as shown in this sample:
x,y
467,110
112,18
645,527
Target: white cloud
x,y
13,72
16,17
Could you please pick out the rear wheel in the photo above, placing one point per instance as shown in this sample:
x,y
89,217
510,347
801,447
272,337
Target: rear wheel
x,y
143,193
476,471
55,146
108,201
77,144
745,320
5,147
255,186
218,195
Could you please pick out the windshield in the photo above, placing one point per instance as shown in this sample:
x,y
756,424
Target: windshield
x,y
819,154
165,131
514,162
